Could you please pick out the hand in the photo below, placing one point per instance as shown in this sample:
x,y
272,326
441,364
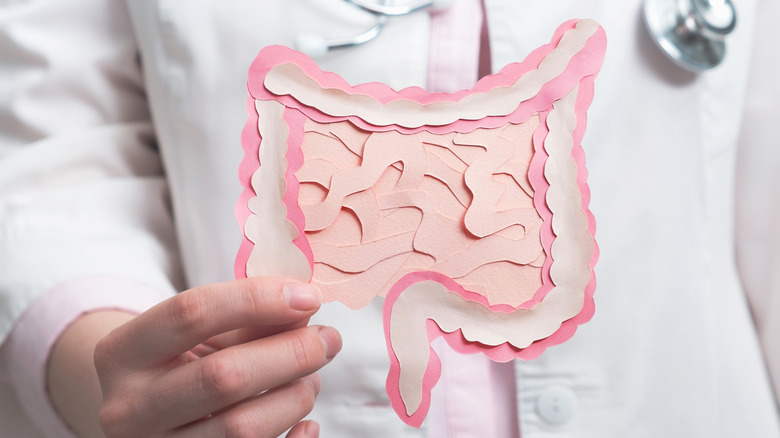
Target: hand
x,y
226,360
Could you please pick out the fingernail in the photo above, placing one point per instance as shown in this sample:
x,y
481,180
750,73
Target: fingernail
x,y
315,381
332,340
302,296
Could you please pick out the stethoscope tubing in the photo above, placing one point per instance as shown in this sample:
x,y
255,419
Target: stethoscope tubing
x,y
691,33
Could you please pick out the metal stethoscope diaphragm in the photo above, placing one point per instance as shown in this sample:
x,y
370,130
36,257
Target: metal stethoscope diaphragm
x,y
691,33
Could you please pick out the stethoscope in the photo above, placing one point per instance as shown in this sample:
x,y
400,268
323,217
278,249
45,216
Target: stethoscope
x,y
691,33
315,45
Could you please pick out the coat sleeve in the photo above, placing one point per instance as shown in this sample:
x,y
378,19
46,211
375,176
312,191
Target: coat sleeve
x,y
758,190
85,220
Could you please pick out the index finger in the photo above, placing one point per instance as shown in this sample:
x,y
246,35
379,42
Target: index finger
x,y
180,323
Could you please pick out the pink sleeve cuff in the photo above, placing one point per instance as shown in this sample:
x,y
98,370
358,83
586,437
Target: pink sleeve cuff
x,y
24,354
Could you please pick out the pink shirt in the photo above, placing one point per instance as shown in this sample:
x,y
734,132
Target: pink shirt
x,y
475,397
24,354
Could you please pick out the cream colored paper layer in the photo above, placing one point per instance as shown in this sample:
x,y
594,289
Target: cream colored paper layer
x,y
267,227
570,272
290,79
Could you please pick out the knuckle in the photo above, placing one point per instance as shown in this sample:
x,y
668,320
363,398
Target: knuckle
x,y
305,397
238,424
188,311
256,295
219,378
300,350
113,418
253,297
103,354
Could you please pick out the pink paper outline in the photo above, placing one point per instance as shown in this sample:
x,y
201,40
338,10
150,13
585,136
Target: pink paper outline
x,y
295,120
250,141
589,60
503,352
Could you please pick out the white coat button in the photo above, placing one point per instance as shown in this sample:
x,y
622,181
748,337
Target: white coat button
x,y
556,405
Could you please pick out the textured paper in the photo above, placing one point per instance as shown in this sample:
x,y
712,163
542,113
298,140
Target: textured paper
x,y
468,211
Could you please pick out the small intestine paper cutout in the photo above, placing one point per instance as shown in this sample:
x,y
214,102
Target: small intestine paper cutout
x,y
467,211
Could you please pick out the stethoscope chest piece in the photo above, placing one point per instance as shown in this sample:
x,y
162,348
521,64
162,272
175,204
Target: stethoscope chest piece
x,y
692,33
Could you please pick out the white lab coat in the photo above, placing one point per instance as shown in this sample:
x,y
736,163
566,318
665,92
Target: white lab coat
x,y
672,350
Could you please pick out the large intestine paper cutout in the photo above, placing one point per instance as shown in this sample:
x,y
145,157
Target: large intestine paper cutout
x,y
467,211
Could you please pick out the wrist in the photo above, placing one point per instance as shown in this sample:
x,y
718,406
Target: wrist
x,y
72,382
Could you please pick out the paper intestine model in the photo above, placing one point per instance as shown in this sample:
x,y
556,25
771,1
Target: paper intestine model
x,y
467,211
